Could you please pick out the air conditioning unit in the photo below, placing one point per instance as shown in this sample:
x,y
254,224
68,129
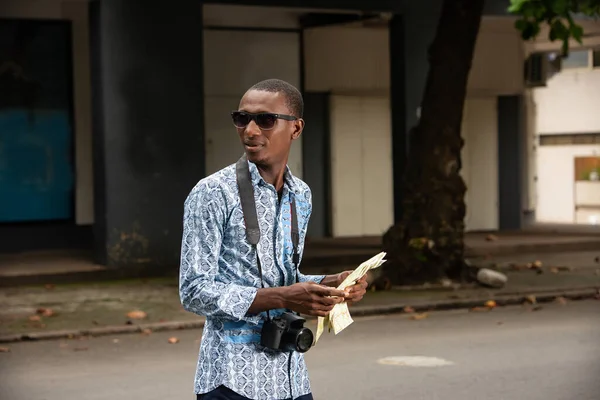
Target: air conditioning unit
x,y
539,67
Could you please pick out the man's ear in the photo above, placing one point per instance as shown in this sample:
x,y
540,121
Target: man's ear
x,y
298,128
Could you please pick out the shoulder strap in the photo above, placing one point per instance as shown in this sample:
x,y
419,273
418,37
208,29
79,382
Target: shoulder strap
x,y
295,235
244,182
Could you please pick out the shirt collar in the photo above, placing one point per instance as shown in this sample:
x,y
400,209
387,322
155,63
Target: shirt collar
x,y
288,179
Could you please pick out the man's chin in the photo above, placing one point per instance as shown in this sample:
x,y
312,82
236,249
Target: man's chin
x,y
255,157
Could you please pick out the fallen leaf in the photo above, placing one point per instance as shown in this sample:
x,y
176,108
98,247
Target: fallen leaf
x,y
561,300
565,268
45,312
554,270
491,238
537,264
499,323
537,308
417,317
146,332
80,348
476,309
408,310
94,322
531,299
4,350
490,304
35,318
173,340
137,314
49,286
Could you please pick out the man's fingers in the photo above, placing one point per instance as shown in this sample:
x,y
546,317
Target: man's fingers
x,y
328,291
330,300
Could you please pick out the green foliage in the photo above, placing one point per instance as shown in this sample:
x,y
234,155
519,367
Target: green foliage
x,y
557,14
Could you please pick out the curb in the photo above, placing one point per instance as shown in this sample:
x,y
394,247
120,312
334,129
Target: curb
x,y
104,331
501,300
397,308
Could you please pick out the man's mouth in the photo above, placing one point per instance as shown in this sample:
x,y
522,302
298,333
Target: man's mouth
x,y
252,146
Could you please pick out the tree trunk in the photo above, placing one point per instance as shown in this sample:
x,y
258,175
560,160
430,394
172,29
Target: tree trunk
x,y
427,242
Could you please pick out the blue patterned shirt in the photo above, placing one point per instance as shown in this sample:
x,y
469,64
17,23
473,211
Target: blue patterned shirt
x,y
219,279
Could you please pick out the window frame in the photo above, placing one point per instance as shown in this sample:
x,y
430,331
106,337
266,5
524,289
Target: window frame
x,y
590,66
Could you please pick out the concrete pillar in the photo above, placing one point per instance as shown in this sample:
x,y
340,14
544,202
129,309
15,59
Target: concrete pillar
x,y
147,86
410,37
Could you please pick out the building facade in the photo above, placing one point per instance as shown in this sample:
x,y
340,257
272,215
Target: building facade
x,y
139,112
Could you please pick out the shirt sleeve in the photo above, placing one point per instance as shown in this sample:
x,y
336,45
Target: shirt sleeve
x,y
203,226
303,228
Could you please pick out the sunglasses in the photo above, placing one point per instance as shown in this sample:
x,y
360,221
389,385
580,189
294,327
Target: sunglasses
x,y
265,121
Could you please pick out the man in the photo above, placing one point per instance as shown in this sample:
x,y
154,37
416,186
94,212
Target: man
x,y
220,276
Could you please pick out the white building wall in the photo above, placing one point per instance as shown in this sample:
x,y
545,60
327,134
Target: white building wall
x,y
480,162
569,104
361,165
352,63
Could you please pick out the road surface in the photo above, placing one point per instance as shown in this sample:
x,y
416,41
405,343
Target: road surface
x,y
506,354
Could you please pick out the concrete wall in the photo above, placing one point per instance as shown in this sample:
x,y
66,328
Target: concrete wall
x,y
497,67
234,61
353,63
347,60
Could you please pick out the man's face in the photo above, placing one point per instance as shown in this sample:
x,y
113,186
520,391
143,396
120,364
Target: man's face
x,y
267,147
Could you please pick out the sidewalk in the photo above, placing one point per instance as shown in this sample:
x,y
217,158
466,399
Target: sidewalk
x,y
321,255
100,308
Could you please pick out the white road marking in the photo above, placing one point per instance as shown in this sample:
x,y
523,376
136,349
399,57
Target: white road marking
x,y
415,361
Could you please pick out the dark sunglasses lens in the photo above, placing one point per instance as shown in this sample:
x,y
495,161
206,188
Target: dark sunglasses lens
x,y
266,121
240,120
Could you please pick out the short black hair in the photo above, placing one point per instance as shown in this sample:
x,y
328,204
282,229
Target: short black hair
x,y
293,97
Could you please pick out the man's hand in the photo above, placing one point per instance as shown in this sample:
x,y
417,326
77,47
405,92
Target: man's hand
x,y
312,299
355,292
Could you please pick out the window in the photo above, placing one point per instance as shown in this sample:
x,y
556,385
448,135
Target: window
x,y
577,59
596,61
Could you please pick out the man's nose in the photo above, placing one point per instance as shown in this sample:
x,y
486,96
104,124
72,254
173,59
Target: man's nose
x,y
252,129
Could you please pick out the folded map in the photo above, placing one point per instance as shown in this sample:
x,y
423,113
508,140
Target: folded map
x,y
339,318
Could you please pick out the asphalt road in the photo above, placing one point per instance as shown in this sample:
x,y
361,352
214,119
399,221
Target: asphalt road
x,y
507,354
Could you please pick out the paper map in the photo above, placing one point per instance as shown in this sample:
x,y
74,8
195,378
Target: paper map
x,y
339,318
